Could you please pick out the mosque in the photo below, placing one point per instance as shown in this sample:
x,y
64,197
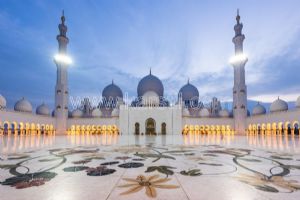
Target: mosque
x,y
150,112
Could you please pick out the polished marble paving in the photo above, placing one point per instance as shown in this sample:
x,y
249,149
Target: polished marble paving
x,y
173,167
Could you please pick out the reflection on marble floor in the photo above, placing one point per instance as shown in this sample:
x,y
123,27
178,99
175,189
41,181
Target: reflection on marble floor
x,y
128,167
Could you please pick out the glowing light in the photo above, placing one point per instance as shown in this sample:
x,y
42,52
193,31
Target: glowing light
x,y
238,58
62,58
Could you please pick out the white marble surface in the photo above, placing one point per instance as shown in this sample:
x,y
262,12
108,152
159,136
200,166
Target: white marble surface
x,y
239,167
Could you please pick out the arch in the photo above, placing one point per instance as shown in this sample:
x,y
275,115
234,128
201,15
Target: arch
x,y
21,127
14,127
296,127
6,127
150,127
164,128
288,128
137,128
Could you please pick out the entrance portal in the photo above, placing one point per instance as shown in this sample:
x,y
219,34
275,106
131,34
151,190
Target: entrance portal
x,y
150,127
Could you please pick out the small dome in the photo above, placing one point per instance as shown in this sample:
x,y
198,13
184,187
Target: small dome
x,y
115,112
42,110
259,110
112,91
224,113
77,113
96,112
2,102
185,112
298,103
204,112
150,83
188,92
278,106
23,105
150,98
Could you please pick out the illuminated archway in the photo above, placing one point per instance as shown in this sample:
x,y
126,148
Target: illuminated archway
x,y
150,127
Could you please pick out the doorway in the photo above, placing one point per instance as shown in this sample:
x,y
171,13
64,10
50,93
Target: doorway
x,y
150,127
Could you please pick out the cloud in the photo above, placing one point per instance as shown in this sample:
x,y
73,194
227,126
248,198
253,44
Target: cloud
x,y
178,40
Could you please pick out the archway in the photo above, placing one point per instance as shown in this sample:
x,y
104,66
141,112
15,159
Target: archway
x,y
150,127
296,127
136,128
6,127
164,127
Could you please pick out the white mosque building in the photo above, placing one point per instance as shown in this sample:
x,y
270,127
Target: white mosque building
x,y
150,112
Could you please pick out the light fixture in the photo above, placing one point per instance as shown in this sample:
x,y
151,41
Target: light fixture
x,y
238,58
62,58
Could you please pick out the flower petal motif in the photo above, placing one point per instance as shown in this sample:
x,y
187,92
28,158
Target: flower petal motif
x,y
151,192
134,189
149,183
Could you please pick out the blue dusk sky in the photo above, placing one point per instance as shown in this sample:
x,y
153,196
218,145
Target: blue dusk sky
x,y
121,40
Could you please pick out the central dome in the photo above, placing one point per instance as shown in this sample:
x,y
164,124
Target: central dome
x,y
150,83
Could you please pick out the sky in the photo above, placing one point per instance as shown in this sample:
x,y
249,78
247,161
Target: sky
x,y
123,39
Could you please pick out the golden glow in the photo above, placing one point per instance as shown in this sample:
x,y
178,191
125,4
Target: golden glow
x,y
207,129
238,58
62,58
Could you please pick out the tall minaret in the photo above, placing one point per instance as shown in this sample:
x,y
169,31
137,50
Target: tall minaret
x,y
239,89
62,62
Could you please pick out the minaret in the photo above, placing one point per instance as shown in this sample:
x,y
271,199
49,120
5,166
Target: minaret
x,y
62,62
239,89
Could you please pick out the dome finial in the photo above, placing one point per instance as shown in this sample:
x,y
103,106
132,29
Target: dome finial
x,y
150,71
188,82
112,81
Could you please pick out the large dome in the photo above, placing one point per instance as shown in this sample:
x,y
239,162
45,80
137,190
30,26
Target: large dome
x,y
42,110
23,105
150,83
112,91
298,103
278,105
2,102
259,110
189,92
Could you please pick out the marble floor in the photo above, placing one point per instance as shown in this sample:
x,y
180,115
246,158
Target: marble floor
x,y
38,167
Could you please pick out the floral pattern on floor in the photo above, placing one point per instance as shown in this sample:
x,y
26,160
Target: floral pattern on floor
x,y
265,171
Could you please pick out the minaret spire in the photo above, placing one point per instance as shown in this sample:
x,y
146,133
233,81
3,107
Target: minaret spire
x,y
238,39
62,37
